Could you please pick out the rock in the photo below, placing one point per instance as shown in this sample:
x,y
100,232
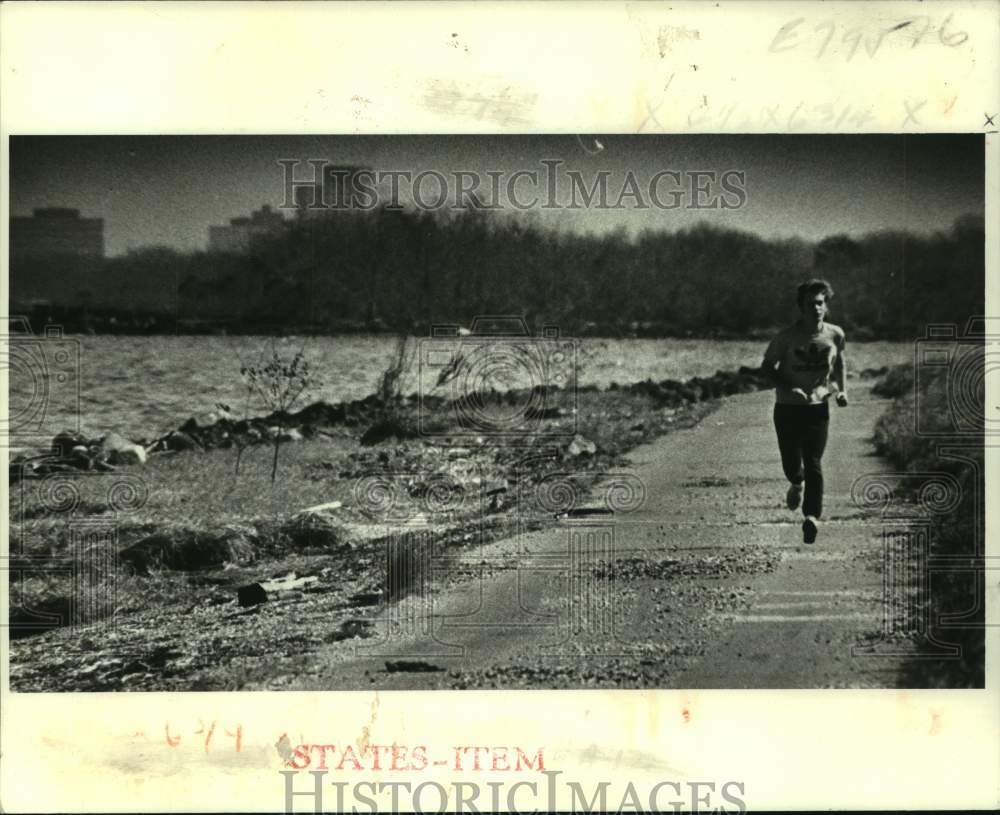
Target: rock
x,y
116,449
252,595
20,468
387,429
179,440
202,421
365,598
319,413
63,444
552,412
209,430
581,446
292,434
350,630
81,457
411,665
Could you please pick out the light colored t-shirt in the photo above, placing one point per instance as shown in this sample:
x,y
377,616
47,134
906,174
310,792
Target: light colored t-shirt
x,y
805,360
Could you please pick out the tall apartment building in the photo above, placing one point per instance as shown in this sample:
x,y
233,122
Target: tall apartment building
x,y
56,231
238,236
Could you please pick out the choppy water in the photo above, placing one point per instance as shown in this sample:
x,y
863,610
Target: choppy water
x,y
142,386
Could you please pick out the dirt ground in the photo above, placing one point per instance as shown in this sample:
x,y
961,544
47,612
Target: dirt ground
x,y
681,568
701,581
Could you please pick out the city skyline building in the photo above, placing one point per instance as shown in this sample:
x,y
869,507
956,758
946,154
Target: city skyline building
x,y
238,236
52,231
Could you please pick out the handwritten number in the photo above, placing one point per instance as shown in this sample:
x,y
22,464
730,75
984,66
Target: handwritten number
x,y
918,28
852,36
923,31
238,735
951,40
832,26
872,45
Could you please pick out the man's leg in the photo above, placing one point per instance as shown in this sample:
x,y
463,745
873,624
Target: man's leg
x,y
815,429
787,425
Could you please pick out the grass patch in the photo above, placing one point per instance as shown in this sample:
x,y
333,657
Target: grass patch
x,y
195,531
959,533
898,381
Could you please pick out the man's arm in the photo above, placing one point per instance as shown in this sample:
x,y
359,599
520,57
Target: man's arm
x,y
840,372
772,372
770,365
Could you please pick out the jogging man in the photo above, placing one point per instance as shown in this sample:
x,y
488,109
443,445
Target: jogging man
x,y
806,363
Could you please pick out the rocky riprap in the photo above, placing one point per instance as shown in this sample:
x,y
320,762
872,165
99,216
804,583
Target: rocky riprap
x,y
241,552
381,421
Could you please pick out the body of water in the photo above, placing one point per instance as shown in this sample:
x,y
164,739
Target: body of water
x,y
145,386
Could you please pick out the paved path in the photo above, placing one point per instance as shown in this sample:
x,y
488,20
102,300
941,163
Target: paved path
x,y
711,585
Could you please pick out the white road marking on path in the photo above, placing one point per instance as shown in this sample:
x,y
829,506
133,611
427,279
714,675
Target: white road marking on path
x,y
828,593
796,554
859,523
802,618
799,604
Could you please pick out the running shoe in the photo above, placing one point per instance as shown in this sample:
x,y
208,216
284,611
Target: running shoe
x,y
794,496
809,529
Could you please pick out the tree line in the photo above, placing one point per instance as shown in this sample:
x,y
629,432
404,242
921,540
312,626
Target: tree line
x,y
398,270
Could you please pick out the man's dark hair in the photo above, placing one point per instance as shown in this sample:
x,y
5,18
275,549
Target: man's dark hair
x,y
813,287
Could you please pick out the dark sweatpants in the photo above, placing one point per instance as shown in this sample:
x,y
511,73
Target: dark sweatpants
x,y
802,431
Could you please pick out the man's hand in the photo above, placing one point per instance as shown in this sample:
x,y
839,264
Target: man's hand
x,y
841,399
800,394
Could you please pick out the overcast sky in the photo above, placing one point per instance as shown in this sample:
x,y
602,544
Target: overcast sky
x,y
168,190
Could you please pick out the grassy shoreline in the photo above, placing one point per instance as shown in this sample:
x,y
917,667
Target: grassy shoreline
x,y
956,535
168,617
